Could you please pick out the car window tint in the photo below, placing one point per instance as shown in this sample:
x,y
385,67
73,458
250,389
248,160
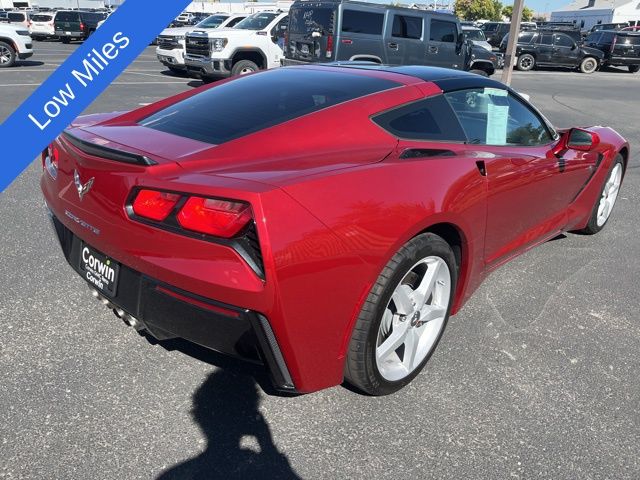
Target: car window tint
x,y
16,17
42,18
562,41
234,21
607,37
546,39
526,37
407,27
629,39
362,22
495,117
429,119
593,37
443,31
242,106
67,17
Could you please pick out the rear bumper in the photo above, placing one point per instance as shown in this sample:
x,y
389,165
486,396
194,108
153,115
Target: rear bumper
x,y
208,67
166,312
622,61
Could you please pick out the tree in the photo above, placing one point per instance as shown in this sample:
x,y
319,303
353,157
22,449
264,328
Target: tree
x,y
527,13
476,9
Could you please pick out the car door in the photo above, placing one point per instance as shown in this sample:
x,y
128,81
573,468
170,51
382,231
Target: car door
x,y
544,49
565,51
530,184
405,45
442,48
277,33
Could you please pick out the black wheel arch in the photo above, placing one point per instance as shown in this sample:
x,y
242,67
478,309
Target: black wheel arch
x,y
251,54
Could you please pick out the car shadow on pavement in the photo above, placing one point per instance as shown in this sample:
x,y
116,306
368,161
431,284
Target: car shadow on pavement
x,y
28,63
239,441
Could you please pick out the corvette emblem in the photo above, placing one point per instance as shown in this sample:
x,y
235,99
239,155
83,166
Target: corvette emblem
x,y
82,189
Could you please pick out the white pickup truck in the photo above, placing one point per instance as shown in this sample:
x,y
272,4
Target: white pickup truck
x,y
170,50
15,43
253,44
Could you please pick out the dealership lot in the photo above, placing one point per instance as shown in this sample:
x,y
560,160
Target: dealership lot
x,y
535,377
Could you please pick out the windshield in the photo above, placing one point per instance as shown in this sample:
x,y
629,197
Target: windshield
x,y
307,20
257,21
213,21
474,34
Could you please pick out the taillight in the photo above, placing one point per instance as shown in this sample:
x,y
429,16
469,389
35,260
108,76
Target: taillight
x,y
220,218
50,160
82,26
329,46
154,205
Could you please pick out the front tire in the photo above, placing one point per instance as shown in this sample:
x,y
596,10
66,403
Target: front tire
x,y
403,317
479,72
7,55
607,198
526,62
244,67
588,65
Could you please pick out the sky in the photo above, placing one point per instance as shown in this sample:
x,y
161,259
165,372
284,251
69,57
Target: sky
x,y
543,6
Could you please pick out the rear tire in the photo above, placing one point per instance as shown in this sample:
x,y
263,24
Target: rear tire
x,y
607,198
244,67
66,40
398,319
588,65
634,68
526,62
7,55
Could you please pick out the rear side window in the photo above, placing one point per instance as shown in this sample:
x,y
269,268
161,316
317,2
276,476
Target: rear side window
x,y
429,119
443,31
526,37
407,27
546,39
255,102
494,117
593,37
362,22
16,17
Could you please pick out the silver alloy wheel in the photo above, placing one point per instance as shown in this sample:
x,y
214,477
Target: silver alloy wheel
x,y
526,63
5,54
413,319
609,195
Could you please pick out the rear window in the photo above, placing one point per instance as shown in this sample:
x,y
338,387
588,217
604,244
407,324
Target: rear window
x,y
67,17
42,18
255,102
307,20
16,17
354,21
629,39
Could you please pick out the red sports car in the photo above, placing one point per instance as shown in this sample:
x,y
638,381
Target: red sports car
x,y
322,220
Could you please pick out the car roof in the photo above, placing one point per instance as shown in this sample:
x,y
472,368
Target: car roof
x,y
447,79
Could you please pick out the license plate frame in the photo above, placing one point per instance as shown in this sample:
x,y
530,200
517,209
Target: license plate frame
x,y
101,271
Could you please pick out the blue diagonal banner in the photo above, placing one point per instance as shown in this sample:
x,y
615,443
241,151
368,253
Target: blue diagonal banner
x,y
79,80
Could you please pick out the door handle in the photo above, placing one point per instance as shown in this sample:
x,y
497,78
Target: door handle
x,y
393,46
433,49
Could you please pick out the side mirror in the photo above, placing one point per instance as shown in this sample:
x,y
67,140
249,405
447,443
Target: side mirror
x,y
582,140
574,46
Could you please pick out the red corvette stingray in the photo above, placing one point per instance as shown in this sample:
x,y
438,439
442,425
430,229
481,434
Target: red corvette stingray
x,y
323,220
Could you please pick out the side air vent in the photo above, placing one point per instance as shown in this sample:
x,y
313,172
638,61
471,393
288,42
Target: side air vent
x,y
426,152
107,153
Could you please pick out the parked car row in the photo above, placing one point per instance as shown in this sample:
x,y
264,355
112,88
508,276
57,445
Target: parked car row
x,y
65,25
560,49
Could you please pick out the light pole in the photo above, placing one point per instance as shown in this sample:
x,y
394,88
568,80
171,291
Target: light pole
x,y
516,17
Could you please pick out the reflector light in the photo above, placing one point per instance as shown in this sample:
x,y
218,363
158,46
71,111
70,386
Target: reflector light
x,y
220,218
154,205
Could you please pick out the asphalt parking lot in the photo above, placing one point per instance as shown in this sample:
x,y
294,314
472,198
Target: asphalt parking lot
x,y
537,377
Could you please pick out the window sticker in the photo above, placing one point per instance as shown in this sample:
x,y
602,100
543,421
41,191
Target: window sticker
x,y
496,92
497,118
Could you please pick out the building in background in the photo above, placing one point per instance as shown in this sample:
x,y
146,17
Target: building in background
x,y
587,13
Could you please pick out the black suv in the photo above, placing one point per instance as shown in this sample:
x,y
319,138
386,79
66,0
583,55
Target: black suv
x,y
555,49
343,30
76,24
495,32
620,48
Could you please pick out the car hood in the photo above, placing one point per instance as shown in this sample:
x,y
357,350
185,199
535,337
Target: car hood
x,y
11,29
231,32
177,31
